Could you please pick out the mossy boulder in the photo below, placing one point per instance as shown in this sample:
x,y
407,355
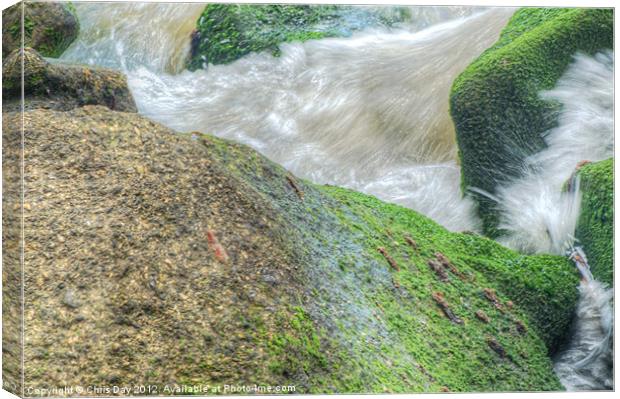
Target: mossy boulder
x,y
48,27
62,86
595,229
227,32
498,115
196,260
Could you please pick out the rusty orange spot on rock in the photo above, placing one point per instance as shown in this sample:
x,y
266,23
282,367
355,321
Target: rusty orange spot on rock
x,y
387,257
492,297
482,316
218,249
441,301
438,269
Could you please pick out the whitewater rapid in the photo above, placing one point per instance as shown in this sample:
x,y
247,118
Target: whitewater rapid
x,y
538,214
359,112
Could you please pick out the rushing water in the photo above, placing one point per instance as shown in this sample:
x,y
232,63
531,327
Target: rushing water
x,y
370,112
133,34
538,214
359,112
587,362
544,218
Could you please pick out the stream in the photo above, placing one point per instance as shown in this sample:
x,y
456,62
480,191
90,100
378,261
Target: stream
x,y
370,112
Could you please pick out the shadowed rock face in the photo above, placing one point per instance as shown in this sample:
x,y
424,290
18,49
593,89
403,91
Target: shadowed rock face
x,y
158,257
62,86
48,27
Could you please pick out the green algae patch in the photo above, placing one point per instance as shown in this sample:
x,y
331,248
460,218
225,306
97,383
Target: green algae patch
x,y
595,229
227,32
374,316
494,103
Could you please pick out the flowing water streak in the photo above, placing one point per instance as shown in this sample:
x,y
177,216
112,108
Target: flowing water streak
x,y
127,35
368,112
587,363
540,215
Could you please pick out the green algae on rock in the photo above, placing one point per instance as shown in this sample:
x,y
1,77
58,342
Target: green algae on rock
x,y
226,32
302,296
62,85
48,27
197,260
595,229
498,115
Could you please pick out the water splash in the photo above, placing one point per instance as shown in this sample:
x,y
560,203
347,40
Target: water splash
x,y
540,211
537,213
359,112
587,362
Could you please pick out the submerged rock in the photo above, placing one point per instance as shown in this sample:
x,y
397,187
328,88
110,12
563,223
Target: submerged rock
x,y
595,229
48,27
62,86
226,32
498,114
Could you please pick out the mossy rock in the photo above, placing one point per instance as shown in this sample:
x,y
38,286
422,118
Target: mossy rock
x,y
595,229
62,86
48,27
227,32
498,115
196,260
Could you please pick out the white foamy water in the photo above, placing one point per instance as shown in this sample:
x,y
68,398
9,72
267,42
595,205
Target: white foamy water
x,y
127,35
368,112
539,216
587,362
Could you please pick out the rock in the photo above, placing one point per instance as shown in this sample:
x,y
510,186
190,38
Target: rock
x,y
63,86
494,103
49,27
227,32
595,229
120,188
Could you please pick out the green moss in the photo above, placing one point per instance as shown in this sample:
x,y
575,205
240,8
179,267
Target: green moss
x,y
298,347
227,32
494,103
48,27
362,326
595,230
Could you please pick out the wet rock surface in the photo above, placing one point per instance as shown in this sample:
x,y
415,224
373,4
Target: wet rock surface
x,y
61,86
48,27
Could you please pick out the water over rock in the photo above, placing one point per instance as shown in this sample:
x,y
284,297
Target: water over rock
x,y
226,32
498,114
48,27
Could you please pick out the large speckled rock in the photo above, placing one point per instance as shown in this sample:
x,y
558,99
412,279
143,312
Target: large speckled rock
x,y
155,257
63,86
498,115
48,27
